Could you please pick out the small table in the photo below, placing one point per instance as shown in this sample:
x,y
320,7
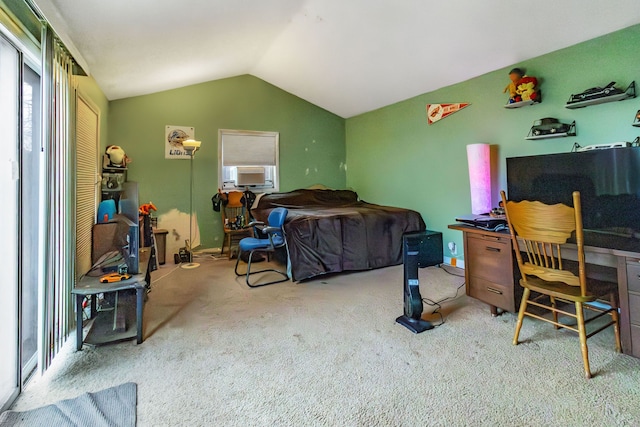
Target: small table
x,y
106,327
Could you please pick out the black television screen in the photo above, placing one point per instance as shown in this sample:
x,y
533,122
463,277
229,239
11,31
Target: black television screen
x,y
609,185
129,210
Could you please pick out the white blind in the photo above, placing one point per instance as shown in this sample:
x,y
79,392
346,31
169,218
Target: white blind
x,y
86,182
245,148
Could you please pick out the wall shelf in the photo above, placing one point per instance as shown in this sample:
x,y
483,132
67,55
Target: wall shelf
x,y
630,92
523,103
570,132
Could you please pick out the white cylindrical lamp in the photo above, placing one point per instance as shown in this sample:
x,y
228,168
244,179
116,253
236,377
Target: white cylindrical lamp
x,y
479,159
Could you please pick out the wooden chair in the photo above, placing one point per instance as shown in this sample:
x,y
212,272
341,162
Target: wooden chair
x,y
235,216
547,278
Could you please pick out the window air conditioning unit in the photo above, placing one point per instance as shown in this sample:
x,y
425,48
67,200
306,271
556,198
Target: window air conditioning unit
x,y
250,176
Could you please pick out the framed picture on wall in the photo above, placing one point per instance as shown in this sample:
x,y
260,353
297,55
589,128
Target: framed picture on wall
x,y
173,137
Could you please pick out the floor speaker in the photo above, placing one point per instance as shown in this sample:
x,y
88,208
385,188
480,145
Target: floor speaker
x,y
419,249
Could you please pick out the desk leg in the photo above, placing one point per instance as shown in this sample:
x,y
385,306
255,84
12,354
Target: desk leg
x,y
139,309
494,310
79,300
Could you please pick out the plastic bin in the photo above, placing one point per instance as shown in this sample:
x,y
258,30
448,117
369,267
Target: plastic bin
x,y
160,236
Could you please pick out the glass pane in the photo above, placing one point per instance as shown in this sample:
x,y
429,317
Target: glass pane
x,y
29,188
9,60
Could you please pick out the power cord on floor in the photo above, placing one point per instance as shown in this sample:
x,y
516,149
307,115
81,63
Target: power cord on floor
x,y
446,270
438,304
157,279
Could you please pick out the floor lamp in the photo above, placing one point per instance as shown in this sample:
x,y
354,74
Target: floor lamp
x,y
191,147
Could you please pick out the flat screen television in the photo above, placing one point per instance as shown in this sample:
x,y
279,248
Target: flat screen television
x,y
129,213
609,185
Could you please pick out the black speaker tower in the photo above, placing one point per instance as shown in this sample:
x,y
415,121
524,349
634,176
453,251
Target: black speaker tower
x,y
419,249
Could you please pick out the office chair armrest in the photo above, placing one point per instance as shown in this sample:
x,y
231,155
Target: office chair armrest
x,y
270,230
254,223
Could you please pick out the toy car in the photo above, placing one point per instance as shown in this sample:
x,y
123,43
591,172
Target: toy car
x,y
549,126
596,92
114,277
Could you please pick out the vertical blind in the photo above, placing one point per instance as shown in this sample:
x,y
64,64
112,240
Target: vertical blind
x,y
58,216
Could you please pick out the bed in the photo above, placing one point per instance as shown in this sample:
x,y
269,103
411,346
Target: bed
x,y
331,231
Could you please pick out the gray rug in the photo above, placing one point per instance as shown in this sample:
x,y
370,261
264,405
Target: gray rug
x,y
115,406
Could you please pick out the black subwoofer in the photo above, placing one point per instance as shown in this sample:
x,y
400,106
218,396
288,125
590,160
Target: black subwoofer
x,y
419,250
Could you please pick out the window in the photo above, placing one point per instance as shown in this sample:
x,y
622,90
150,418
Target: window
x,y
248,159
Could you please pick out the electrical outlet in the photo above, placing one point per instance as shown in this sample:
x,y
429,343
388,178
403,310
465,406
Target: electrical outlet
x,y
453,248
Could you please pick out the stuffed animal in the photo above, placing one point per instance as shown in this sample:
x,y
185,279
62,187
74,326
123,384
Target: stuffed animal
x,y
514,75
527,88
117,156
145,209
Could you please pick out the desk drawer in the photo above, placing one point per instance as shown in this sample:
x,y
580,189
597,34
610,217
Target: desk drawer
x,y
635,340
633,276
634,308
493,293
490,258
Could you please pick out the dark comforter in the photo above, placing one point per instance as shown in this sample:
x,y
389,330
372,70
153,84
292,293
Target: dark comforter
x,y
330,231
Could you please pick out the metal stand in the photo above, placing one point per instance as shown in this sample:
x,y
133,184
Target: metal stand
x,y
414,325
190,264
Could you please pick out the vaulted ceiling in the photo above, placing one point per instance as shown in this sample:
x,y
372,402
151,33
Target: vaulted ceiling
x,y
347,56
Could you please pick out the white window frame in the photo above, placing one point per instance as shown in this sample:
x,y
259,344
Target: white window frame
x,y
262,150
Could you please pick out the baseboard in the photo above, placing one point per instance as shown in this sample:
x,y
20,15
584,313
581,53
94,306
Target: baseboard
x,y
454,262
206,251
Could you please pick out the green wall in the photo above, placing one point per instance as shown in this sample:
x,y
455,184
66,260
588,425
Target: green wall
x,y
312,142
394,157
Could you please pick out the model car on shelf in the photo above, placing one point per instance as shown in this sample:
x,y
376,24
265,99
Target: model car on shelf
x,y
114,277
595,93
549,126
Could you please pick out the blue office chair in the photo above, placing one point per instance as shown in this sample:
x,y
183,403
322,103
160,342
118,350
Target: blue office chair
x,y
274,230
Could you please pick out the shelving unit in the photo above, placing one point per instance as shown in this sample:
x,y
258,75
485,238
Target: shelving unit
x,y
630,92
570,132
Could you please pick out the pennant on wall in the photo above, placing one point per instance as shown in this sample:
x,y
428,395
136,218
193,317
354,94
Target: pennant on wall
x,y
436,112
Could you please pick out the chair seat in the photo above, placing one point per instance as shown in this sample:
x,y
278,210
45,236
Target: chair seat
x,y
556,289
251,244
569,293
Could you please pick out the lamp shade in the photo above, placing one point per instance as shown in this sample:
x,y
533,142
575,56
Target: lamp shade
x,y
479,159
190,145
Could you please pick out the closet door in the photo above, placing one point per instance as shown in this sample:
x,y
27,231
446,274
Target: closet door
x,y
10,247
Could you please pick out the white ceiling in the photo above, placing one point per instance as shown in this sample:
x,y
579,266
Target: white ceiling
x,y
347,56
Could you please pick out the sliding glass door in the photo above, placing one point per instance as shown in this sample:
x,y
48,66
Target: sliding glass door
x,y
9,214
30,167
20,181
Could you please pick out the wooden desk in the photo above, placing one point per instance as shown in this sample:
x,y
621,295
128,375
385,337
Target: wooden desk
x,y
492,276
104,328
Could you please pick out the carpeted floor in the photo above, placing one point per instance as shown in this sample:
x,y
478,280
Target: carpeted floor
x,y
328,352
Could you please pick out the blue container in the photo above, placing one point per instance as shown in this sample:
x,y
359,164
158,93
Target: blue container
x,y
106,210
